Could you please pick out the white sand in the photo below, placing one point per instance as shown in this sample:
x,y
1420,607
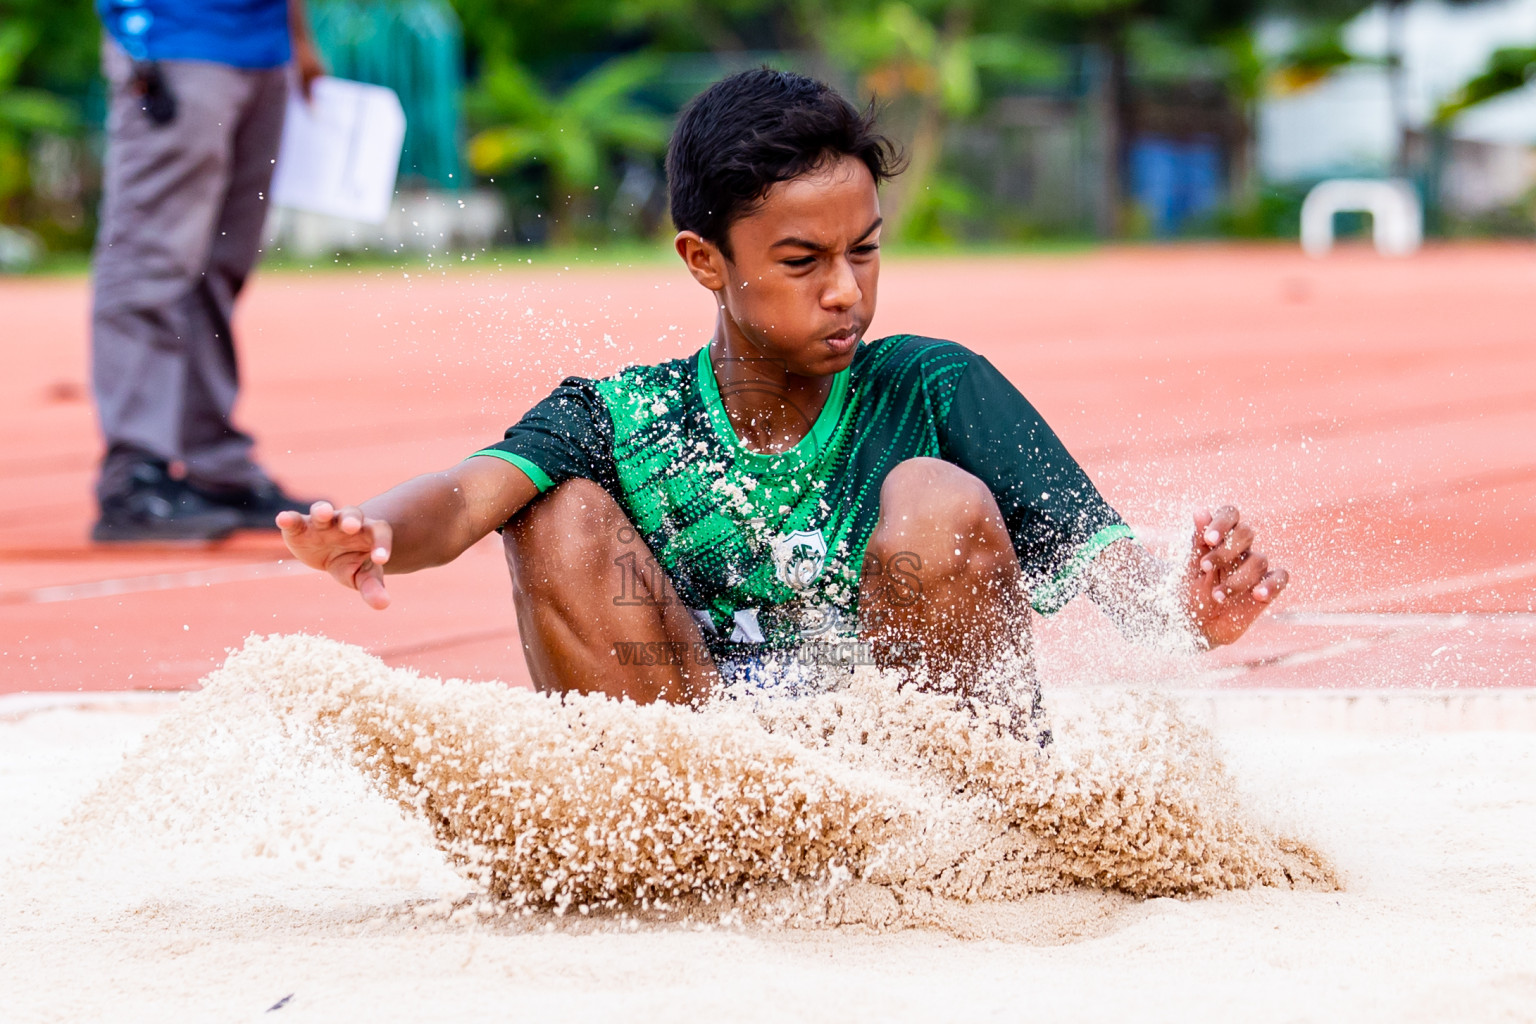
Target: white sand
x,y
234,862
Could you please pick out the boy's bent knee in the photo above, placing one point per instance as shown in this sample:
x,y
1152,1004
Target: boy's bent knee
x,y
941,522
924,500
936,491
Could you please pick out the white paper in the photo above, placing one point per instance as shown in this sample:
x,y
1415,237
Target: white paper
x,y
340,151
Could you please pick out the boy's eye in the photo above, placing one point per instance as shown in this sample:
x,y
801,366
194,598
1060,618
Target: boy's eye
x,y
865,250
799,261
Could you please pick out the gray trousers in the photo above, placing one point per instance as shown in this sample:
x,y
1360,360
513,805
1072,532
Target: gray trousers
x,y
181,222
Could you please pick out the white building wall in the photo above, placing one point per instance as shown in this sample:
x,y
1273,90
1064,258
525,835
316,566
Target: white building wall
x,y
1340,126
1343,125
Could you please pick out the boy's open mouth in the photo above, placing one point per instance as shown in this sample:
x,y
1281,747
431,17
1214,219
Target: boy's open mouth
x,y
843,340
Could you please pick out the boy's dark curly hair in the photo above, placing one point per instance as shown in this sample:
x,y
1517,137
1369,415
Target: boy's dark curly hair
x,y
751,130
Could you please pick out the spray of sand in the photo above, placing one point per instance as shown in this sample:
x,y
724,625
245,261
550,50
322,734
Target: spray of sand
x,y
872,804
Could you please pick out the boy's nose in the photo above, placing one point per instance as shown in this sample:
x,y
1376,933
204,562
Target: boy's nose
x,y
843,290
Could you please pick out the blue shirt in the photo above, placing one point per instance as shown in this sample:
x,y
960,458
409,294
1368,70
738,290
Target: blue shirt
x,y
250,34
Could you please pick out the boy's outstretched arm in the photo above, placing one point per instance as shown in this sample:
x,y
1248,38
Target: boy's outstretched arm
x,y
426,521
1213,597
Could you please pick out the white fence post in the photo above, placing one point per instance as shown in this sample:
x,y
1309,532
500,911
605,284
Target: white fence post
x,y
1397,219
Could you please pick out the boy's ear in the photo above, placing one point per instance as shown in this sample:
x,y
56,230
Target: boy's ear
x,y
703,259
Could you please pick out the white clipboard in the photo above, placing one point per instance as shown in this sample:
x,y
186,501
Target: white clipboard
x,y
340,151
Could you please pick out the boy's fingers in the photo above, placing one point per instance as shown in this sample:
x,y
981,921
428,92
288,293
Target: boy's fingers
x,y
322,512
290,522
1237,543
1221,523
370,586
1200,546
350,519
1270,586
1204,585
383,540
1222,539
1246,576
1202,520
1209,529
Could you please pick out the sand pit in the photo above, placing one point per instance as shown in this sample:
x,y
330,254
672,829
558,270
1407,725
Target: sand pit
x,y
866,855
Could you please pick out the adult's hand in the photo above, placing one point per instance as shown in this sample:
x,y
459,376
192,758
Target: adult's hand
x,y
308,66
306,59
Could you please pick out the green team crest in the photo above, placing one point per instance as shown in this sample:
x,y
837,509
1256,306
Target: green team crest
x,y
798,558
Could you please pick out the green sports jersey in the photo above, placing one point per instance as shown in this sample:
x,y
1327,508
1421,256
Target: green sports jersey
x,y
767,549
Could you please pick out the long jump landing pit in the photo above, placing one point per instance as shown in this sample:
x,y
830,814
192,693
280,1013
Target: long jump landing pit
x,y
1373,417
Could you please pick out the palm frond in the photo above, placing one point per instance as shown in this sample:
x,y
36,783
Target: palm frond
x,y
1508,69
506,147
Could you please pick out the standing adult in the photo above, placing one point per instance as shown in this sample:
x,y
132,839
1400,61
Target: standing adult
x,y
198,92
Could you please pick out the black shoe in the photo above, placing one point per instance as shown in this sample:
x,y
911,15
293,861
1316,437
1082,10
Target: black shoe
x,y
256,506
157,507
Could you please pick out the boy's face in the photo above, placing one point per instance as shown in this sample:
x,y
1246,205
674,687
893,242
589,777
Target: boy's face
x,y
799,289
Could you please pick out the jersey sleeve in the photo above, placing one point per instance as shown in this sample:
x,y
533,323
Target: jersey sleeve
x,y
1056,518
568,434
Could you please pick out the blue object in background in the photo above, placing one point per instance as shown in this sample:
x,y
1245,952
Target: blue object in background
x,y
251,34
1175,181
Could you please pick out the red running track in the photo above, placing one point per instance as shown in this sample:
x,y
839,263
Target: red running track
x,y
1376,418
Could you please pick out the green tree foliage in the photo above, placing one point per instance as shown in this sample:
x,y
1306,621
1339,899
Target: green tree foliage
x,y
534,31
926,65
1317,53
64,56
930,63
1507,70
549,36
24,113
575,136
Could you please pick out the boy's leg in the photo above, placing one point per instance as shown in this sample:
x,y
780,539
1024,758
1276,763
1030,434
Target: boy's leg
x,y
941,593
596,613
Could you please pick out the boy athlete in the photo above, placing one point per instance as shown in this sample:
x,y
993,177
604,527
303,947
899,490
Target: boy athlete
x,y
789,488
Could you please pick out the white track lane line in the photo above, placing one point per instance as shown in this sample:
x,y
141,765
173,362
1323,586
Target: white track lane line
x,y
1407,620
1433,588
15,706
159,581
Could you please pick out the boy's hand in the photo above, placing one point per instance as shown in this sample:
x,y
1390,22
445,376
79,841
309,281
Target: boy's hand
x,y
347,544
1229,583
